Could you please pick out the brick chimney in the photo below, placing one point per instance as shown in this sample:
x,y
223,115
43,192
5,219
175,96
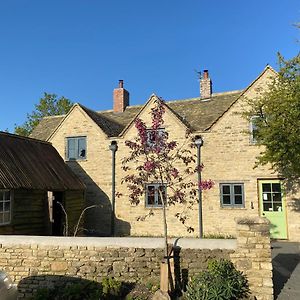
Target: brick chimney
x,y
121,98
205,85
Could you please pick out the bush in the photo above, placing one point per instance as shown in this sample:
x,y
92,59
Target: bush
x,y
221,281
109,288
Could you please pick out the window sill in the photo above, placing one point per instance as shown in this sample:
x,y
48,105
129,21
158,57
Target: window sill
x,y
153,207
233,207
75,160
5,224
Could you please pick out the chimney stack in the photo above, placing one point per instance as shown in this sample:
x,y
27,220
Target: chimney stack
x,y
205,85
121,98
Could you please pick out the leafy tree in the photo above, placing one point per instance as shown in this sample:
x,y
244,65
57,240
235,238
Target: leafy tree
x,y
153,158
278,120
49,105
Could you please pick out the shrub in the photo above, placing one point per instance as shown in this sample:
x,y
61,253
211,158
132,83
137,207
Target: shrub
x,y
109,288
221,281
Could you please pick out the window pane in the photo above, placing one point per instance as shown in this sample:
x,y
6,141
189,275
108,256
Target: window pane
x,y
238,200
6,195
226,189
150,195
1,207
163,191
7,206
277,206
276,187
266,187
226,199
6,217
268,206
277,197
81,147
71,149
267,197
238,190
1,195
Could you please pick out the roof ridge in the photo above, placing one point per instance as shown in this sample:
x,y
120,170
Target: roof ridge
x,y
55,116
213,95
23,137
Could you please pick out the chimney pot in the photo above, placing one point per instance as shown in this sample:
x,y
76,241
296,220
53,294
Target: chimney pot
x,y
121,98
205,74
205,85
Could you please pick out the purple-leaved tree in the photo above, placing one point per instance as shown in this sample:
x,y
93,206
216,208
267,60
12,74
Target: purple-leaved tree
x,y
162,169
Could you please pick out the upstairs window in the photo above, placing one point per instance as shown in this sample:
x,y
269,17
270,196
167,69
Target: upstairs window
x,y
232,195
76,148
5,207
153,195
153,136
253,129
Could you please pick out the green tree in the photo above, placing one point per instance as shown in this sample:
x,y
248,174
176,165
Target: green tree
x,y
49,105
277,121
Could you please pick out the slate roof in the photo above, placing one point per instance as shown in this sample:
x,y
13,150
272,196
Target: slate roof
x,y
46,126
196,113
32,164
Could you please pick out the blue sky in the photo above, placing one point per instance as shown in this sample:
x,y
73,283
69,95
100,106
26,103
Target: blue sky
x,y
81,48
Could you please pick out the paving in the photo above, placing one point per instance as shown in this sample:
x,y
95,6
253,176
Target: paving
x,y
286,270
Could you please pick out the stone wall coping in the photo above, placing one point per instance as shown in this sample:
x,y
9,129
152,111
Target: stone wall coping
x,y
116,242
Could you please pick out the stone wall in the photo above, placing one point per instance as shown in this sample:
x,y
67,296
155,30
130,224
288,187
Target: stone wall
x,y
35,262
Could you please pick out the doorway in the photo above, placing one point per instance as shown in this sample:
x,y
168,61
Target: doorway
x,y
58,217
272,206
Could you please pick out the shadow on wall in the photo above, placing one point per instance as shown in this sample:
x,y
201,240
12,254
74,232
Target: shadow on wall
x,y
283,266
295,204
97,221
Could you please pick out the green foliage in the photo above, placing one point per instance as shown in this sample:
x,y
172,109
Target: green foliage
x,y
111,288
278,121
108,289
221,281
49,105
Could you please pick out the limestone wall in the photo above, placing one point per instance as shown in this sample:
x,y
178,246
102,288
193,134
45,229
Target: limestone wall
x,y
35,262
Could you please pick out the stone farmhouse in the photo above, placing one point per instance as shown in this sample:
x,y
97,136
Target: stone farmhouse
x,y
85,139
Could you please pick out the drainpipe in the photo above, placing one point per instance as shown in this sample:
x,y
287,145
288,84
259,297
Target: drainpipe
x,y
113,147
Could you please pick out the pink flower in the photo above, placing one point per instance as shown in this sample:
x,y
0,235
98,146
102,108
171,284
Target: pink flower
x,y
206,184
142,132
174,172
149,166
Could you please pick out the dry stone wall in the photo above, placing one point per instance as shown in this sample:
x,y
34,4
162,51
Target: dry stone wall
x,y
36,262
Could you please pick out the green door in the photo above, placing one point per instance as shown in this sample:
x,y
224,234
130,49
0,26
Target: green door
x,y
272,206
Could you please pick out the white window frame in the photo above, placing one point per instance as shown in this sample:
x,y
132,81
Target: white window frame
x,y
77,150
2,205
156,194
232,195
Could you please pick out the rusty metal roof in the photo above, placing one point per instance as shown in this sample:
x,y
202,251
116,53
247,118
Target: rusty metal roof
x,y
32,164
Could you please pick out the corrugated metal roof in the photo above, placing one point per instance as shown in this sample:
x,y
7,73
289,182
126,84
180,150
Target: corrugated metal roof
x,y
33,164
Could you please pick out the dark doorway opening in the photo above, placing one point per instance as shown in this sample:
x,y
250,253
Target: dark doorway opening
x,y
58,214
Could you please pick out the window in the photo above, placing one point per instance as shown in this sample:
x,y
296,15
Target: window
x,y
5,207
153,196
153,136
232,194
76,148
253,129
